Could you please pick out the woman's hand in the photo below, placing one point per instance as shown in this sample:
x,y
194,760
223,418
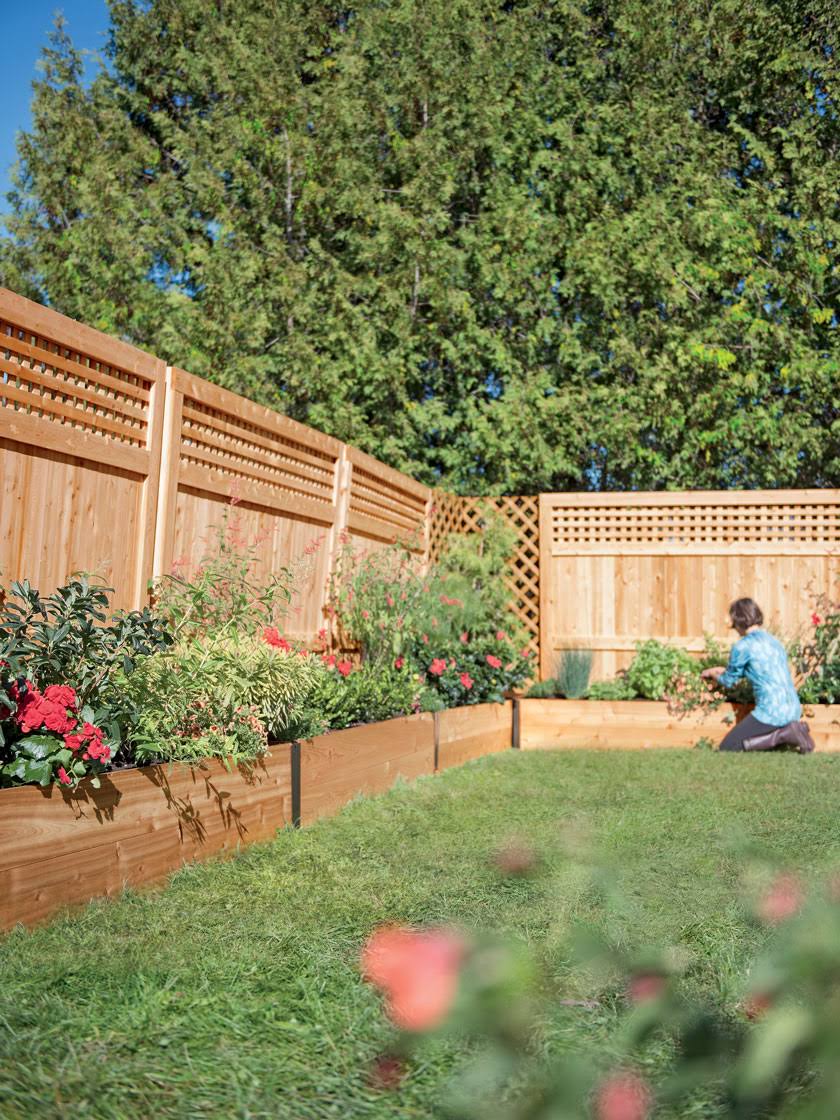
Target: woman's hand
x,y
714,673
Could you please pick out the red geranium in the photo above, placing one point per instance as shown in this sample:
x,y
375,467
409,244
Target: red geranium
x,y
272,635
437,667
61,694
466,681
493,661
345,668
623,1096
398,664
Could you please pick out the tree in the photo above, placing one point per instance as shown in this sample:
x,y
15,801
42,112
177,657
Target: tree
x,y
506,247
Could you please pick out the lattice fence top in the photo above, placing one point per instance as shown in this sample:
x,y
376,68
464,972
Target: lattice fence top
x,y
451,514
738,522
77,380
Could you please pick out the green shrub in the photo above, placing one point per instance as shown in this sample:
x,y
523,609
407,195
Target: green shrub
x,y
221,697
345,696
573,672
617,689
544,690
817,660
656,667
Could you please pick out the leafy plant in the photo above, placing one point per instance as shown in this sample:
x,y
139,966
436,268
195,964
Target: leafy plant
x,y
225,594
548,689
655,668
617,689
345,696
219,696
63,710
573,672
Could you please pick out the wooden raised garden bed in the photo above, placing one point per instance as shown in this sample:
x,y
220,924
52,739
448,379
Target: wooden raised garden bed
x,y
635,724
59,848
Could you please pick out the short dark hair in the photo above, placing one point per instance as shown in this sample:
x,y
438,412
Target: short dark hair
x,y
744,614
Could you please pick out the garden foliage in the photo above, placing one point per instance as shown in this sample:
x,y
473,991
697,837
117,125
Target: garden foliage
x,y
507,247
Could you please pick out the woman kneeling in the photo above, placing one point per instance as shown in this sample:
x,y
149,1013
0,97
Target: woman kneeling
x,y
761,658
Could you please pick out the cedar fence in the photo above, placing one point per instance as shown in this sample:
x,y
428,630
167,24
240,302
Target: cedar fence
x,y
113,463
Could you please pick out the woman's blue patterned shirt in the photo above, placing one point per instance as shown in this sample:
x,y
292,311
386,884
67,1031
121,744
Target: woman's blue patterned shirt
x,y
762,659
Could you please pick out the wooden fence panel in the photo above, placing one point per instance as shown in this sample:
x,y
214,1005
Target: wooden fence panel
x,y
621,568
80,443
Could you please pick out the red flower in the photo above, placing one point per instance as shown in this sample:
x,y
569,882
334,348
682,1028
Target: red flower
x,y
329,660
437,667
345,668
424,639
815,620
272,635
464,637
782,900
466,681
398,664
418,972
63,776
757,1005
54,717
365,615
501,636
493,661
389,599
61,694
623,1096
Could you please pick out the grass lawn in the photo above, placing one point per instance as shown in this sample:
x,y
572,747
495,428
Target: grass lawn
x,y
234,992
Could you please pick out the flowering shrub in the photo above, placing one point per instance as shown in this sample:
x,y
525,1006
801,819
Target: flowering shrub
x,y
225,592
450,626
63,711
817,658
769,1050
345,695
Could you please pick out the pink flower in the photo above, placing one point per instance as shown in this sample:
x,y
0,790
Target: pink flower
x,y
365,614
417,970
434,623
329,660
623,1096
453,663
389,599
493,661
645,986
63,776
815,620
782,900
398,664
424,638
345,668
466,681
437,667
464,637
501,636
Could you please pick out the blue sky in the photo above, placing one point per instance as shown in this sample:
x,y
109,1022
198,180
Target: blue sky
x,y
26,24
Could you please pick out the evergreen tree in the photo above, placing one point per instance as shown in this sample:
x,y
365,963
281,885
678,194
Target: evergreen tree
x,y
506,247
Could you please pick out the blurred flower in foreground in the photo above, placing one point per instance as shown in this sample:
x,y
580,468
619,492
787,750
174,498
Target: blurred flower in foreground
x,y
387,1072
623,1096
515,858
784,898
417,970
645,986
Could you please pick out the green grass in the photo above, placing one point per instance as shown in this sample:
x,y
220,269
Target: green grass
x,y
234,992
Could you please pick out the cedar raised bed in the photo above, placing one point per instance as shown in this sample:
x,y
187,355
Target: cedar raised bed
x,y
59,848
640,724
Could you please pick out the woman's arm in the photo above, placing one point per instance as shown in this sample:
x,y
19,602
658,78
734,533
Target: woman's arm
x,y
734,671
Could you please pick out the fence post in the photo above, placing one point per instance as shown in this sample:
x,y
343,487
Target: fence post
x,y
342,482
515,725
546,584
150,495
170,461
294,759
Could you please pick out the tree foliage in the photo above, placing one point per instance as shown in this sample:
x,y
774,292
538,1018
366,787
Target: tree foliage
x,y
538,244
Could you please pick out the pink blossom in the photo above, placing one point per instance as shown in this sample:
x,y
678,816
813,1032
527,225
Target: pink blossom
x,y
623,1096
493,661
398,664
466,681
365,614
464,636
645,986
437,667
63,776
782,900
389,599
815,620
501,636
417,970
345,668
424,638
